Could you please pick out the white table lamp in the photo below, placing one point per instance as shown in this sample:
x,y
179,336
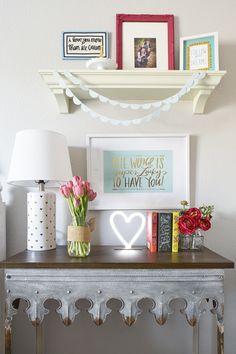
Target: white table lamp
x,y
40,157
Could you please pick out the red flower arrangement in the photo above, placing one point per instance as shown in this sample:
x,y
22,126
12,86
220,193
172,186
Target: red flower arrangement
x,y
195,218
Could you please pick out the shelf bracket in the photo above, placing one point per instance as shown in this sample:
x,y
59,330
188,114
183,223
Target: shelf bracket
x,y
62,100
130,85
200,101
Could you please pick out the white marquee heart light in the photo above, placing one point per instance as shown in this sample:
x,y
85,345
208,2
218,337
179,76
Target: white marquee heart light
x,y
127,219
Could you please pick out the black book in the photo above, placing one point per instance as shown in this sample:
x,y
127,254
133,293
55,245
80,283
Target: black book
x,y
164,232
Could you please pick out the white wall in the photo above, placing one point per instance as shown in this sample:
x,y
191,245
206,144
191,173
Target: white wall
x,y
30,33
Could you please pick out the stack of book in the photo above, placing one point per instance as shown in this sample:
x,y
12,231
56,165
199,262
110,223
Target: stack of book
x,y
163,231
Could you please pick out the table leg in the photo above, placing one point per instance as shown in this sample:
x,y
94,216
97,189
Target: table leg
x,y
220,338
10,310
8,336
2,310
196,338
39,339
218,310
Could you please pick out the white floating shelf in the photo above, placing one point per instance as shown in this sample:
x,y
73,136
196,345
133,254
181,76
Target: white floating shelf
x,y
134,85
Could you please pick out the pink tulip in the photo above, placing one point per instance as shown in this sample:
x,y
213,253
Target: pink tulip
x,y
78,191
65,191
76,203
91,195
60,190
76,180
69,184
87,187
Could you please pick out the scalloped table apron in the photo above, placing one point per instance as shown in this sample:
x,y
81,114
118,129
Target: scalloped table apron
x,y
107,273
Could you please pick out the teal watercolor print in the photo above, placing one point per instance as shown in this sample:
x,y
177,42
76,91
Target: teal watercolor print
x,y
138,171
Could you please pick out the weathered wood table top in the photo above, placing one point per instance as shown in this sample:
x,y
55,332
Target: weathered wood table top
x,y
114,257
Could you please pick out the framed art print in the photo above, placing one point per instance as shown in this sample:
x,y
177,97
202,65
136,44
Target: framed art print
x,y
138,171
199,52
84,45
145,42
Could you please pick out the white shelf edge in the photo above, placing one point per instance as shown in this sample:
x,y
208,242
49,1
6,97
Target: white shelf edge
x,y
135,84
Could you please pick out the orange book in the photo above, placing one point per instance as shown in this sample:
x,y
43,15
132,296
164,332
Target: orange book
x,y
152,220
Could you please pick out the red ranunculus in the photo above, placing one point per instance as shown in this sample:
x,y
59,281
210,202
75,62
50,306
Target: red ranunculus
x,y
194,213
204,224
187,224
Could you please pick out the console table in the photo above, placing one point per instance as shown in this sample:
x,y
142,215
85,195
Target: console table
x,y
109,272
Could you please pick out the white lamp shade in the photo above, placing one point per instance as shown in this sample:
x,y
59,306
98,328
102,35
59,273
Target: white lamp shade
x,y
39,155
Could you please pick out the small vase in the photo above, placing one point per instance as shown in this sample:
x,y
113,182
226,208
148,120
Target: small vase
x,y
197,240
185,242
78,238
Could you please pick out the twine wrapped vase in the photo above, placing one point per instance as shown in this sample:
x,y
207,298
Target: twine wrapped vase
x,y
78,238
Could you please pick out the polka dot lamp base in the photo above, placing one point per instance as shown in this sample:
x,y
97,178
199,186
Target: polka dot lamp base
x,y
41,233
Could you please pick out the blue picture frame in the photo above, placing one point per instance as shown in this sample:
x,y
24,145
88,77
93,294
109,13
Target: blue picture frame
x,y
199,52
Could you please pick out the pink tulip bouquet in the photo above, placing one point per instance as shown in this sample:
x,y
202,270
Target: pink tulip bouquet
x,y
78,193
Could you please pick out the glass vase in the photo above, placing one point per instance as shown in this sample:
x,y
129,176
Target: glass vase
x,y
194,241
78,241
185,242
197,240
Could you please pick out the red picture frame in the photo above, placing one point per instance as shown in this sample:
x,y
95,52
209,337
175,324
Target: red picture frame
x,y
121,18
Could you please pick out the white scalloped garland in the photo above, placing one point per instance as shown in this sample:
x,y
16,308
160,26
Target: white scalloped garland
x,y
163,105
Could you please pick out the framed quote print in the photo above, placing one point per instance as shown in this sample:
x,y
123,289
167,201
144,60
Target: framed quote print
x,y
145,42
84,45
138,171
199,52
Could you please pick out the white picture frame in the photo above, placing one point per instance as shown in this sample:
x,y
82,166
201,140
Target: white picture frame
x,y
116,162
200,52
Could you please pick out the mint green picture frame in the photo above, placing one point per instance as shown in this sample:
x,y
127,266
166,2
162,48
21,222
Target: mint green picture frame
x,y
199,52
